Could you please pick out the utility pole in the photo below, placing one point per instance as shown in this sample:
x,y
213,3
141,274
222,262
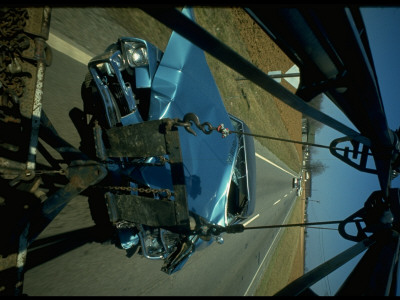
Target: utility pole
x,y
318,201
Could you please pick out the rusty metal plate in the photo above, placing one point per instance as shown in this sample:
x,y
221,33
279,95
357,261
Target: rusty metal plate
x,y
144,210
138,140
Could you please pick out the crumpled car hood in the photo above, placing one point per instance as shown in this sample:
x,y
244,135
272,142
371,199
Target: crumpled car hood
x,y
183,83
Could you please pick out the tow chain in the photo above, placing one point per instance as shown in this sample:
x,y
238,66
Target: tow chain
x,y
140,190
162,162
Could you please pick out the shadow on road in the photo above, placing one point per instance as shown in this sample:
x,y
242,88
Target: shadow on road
x,y
46,249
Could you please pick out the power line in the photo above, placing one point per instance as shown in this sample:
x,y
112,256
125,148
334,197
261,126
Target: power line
x,y
322,228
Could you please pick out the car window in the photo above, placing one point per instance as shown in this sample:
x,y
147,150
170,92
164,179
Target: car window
x,y
237,197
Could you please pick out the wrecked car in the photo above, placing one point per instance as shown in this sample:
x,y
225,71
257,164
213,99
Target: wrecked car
x,y
165,201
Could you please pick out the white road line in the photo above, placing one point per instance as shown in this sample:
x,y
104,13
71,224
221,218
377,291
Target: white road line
x,y
275,165
285,196
265,257
251,220
262,263
60,45
276,202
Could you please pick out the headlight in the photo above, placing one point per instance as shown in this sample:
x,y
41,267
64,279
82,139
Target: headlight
x,y
108,61
136,54
119,61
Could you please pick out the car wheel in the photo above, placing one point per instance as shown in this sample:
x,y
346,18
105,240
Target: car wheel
x,y
104,229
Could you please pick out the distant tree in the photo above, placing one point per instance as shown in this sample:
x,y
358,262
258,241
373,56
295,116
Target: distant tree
x,y
317,167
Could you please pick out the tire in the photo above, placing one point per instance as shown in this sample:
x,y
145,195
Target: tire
x,y
88,92
104,230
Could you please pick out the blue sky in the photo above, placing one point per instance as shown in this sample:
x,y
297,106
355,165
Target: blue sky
x,y
342,190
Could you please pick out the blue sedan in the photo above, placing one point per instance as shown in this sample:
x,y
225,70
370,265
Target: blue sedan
x,y
133,82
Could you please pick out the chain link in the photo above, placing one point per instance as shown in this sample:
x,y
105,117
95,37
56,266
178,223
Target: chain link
x,y
162,159
140,190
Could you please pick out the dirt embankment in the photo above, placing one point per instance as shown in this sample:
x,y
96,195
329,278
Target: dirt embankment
x,y
267,56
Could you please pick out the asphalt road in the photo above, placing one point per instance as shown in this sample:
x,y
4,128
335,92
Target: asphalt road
x,y
80,266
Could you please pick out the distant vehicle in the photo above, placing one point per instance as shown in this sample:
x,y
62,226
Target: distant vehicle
x,y
295,182
299,190
134,83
